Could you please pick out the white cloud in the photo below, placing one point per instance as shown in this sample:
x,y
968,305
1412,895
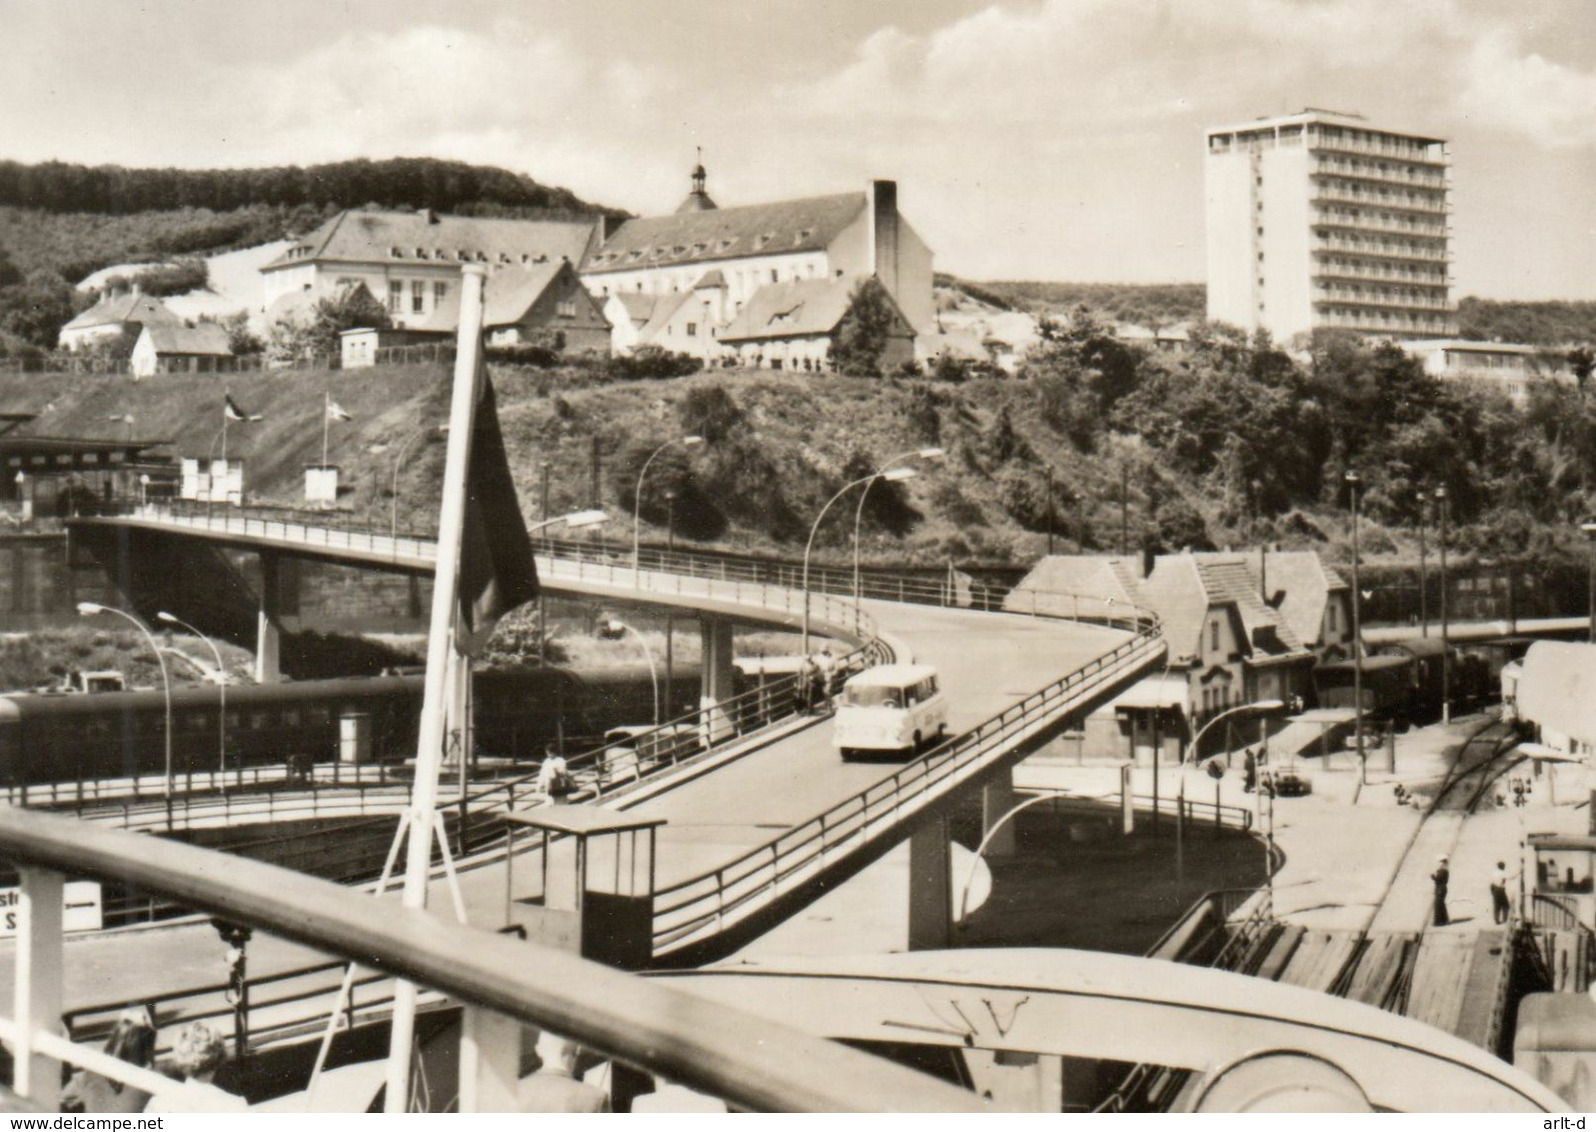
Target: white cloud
x,y
1506,89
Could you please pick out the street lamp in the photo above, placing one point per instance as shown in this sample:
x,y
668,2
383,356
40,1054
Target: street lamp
x,y
398,462
1424,608
858,515
1353,483
90,609
896,475
1446,648
221,685
1189,755
144,489
617,626
688,442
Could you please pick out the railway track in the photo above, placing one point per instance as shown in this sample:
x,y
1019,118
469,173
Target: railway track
x,y
1479,765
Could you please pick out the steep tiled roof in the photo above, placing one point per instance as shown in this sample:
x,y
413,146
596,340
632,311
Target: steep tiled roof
x,y
124,306
1055,584
507,295
1230,580
359,236
806,225
1298,583
664,308
1176,592
795,309
638,305
207,339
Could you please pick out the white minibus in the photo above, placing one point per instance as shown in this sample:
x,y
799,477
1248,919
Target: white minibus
x,y
891,709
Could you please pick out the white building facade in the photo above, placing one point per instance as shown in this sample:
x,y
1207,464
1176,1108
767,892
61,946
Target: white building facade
x,y
1503,366
1320,221
727,255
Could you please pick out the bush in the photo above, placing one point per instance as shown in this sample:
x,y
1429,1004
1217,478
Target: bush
x,y
524,354
650,363
861,336
711,412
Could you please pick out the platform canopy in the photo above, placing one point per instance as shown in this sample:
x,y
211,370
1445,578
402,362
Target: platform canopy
x,y
1155,692
581,820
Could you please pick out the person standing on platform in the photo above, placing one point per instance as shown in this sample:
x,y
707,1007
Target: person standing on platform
x,y
1441,878
805,686
826,665
1501,908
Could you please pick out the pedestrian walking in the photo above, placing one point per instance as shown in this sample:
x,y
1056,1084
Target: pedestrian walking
x,y
804,686
1441,877
1501,908
826,665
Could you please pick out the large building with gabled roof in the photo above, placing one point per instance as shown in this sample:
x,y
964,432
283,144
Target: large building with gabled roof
x,y
410,260
842,236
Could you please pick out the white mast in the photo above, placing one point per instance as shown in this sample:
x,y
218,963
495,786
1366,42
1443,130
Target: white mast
x,y
440,645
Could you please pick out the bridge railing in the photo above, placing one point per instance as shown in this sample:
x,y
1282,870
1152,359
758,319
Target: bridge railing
x,y
782,584
709,903
602,771
499,981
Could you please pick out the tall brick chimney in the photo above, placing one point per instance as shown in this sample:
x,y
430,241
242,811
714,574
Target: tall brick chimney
x,y
884,229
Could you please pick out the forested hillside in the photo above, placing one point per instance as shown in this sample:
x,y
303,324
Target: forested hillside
x,y
59,222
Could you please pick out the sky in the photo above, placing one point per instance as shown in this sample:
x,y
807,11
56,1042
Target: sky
x,y
1031,139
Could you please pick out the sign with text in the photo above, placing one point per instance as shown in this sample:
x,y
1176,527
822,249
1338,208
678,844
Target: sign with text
x,y
82,911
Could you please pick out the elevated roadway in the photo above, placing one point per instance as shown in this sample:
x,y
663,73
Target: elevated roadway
x,y
761,834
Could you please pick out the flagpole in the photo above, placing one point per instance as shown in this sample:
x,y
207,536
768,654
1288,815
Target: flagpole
x,y
440,641
326,412
226,395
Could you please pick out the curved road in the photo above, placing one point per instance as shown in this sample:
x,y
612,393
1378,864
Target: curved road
x,y
987,661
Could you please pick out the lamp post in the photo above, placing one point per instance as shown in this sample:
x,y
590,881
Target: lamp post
x,y
90,609
398,462
1446,648
1353,483
616,625
896,475
670,518
688,442
221,685
1590,534
144,489
858,515
1189,755
1424,597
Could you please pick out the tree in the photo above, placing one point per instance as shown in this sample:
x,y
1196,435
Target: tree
x,y
861,337
314,337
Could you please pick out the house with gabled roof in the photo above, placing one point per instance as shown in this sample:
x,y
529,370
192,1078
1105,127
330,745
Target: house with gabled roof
x,y
167,348
792,325
541,304
755,246
121,312
1313,599
1226,645
410,260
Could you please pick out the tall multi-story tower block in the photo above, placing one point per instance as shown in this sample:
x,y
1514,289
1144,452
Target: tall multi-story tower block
x,y
1320,221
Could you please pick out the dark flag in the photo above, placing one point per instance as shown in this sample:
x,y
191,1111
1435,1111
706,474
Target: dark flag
x,y
231,411
497,572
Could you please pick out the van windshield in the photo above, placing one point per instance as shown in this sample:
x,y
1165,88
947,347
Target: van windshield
x,y
873,695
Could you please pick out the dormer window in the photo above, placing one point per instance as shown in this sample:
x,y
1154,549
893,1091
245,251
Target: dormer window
x,y
395,253
761,241
725,245
803,235
526,257
421,253
700,248
504,257
461,254
437,253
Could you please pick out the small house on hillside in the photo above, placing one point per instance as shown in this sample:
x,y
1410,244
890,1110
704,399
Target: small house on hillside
x,y
179,349
363,346
791,325
541,303
628,313
123,312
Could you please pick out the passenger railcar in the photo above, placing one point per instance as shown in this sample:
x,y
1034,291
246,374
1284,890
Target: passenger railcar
x,y
63,737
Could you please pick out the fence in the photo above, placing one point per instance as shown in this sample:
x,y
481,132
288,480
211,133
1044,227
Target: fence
x,y
727,1053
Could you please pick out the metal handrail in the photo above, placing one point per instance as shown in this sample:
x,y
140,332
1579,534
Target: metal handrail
x,y
686,909
725,1052
675,565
